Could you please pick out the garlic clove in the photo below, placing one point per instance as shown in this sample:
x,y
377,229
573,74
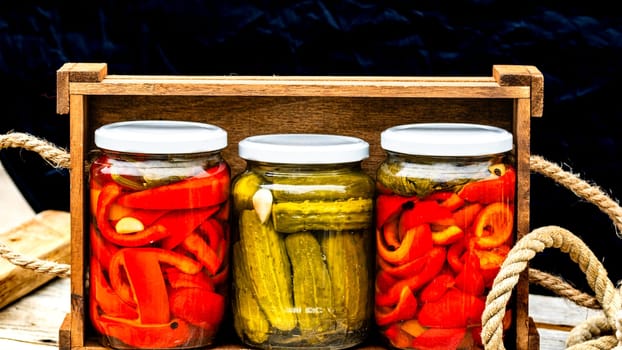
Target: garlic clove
x,y
262,203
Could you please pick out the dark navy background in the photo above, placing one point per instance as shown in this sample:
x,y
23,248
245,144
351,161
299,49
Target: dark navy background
x,y
576,45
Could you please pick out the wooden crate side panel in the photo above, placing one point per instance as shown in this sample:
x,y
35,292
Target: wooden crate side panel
x,y
246,116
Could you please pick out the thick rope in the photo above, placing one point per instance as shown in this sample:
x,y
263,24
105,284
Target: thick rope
x,y
56,157
516,262
562,288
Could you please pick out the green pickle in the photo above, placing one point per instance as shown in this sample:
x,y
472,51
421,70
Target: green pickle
x,y
303,267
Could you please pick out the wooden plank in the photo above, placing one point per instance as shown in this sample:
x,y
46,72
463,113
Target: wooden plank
x,y
46,236
73,72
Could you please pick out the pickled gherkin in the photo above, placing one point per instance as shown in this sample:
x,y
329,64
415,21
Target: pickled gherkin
x,y
350,272
244,187
249,320
268,268
325,186
313,295
351,214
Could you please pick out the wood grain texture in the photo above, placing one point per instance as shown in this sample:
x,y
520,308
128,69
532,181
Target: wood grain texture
x,y
45,236
244,106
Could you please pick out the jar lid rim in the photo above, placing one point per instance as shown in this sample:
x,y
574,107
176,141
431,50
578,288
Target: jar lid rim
x,y
303,148
160,137
446,139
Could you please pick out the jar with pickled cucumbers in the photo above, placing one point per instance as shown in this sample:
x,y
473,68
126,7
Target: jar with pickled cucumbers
x,y
159,235
444,224
303,253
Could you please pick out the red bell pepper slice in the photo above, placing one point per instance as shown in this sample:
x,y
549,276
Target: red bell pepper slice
x,y
405,270
455,255
109,193
101,249
447,199
493,226
181,223
171,334
437,287
405,309
455,309
390,205
439,339
470,280
207,189
487,191
435,262
490,262
104,296
147,282
448,235
397,337
178,279
390,233
464,216
199,307
424,212
204,253
417,241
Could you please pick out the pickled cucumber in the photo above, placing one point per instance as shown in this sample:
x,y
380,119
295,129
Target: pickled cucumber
x,y
268,268
244,188
321,187
349,269
351,214
313,295
249,321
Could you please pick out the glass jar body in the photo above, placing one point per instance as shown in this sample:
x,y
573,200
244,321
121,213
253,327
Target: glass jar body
x,y
302,255
159,242
444,226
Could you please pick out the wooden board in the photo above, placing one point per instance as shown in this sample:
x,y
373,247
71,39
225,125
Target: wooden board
x,y
244,106
46,236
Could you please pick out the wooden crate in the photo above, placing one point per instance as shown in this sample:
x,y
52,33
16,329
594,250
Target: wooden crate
x,y
251,105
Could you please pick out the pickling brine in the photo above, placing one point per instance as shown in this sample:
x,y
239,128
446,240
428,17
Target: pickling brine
x,y
159,235
302,252
444,225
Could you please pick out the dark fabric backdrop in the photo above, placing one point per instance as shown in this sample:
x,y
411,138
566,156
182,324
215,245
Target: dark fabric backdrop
x,y
576,45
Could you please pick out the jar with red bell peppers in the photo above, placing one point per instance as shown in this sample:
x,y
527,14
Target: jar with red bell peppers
x,y
444,224
302,253
159,234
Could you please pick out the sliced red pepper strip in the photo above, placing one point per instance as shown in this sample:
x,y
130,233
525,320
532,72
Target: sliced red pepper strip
x,y
390,205
487,191
455,255
178,279
448,235
464,216
417,241
199,307
147,282
109,193
405,309
439,339
171,334
101,249
490,262
424,212
207,189
384,281
455,309
403,270
147,217
447,199
470,280
105,297
437,287
436,260
213,230
493,226
196,245
397,337
390,233
181,223
120,279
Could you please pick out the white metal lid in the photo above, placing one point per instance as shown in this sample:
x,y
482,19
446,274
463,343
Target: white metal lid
x,y
160,137
303,149
446,139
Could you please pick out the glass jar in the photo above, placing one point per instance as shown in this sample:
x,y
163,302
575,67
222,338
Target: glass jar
x,y
159,234
302,256
444,224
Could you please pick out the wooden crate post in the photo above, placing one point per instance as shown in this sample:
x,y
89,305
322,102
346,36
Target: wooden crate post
x,y
249,105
